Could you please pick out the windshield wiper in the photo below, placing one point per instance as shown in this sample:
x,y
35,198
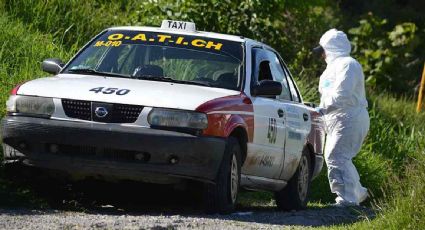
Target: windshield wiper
x,y
169,79
195,82
152,77
95,72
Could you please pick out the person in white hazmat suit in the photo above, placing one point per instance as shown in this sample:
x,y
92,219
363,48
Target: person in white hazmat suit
x,y
343,105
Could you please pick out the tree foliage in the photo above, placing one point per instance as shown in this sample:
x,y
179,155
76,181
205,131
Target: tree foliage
x,y
382,53
389,37
388,41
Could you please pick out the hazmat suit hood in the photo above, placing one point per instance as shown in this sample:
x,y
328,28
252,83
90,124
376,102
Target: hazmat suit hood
x,y
336,44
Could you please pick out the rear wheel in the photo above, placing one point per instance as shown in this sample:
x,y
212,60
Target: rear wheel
x,y
295,195
221,197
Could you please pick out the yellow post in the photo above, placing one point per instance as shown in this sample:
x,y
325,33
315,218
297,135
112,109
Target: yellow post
x,y
421,90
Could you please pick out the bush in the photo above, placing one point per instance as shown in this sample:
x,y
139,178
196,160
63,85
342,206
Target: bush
x,y
382,52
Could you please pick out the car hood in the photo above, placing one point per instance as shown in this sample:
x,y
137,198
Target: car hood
x,y
142,92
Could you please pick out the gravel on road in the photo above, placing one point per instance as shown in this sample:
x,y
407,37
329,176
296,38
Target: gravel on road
x,y
45,203
54,219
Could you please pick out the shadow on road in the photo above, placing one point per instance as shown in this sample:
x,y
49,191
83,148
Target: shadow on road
x,y
130,198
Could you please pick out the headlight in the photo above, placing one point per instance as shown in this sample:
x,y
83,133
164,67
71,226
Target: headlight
x,y
30,105
177,118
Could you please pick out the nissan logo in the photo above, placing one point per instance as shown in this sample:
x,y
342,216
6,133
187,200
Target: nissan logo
x,y
101,112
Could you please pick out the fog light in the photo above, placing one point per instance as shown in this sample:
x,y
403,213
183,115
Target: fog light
x,y
174,160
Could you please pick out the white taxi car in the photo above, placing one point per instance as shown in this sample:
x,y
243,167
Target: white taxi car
x,y
166,105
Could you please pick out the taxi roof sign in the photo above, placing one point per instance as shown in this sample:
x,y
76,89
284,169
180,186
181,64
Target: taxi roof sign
x,y
178,25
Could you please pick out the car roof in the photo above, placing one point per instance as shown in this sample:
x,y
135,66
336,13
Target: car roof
x,y
194,33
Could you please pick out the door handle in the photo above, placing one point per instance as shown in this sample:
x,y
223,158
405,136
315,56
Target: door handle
x,y
305,117
280,112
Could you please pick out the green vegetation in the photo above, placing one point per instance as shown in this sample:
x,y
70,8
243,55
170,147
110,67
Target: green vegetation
x,y
391,35
392,161
21,54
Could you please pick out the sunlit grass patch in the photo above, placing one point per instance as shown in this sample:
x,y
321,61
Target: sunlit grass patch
x,y
21,54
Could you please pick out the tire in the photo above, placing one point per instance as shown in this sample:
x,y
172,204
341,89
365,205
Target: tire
x,y
295,195
221,197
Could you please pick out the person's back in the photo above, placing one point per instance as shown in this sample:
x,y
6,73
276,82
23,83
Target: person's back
x,y
342,83
344,105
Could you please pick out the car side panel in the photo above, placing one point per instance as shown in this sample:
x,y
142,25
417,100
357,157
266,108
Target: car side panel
x,y
266,153
298,129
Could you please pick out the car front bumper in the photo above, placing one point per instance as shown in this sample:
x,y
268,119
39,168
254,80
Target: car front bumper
x,y
111,150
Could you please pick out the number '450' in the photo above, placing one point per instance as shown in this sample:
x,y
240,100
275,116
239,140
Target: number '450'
x,y
105,90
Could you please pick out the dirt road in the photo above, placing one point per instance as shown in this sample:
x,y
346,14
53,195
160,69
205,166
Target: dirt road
x,y
105,205
258,219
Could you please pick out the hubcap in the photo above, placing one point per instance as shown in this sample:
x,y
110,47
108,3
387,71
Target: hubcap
x,y
234,179
303,178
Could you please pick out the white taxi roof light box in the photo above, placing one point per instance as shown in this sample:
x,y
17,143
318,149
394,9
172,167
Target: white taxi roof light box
x,y
178,25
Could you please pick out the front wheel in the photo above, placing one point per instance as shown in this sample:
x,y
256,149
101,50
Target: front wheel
x,y
221,197
295,195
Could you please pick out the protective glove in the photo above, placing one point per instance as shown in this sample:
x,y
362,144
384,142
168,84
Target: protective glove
x,y
320,110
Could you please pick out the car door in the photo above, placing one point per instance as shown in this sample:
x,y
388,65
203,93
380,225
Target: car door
x,y
265,153
298,125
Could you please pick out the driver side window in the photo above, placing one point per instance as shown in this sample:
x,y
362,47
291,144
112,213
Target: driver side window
x,y
279,75
265,72
266,66
261,68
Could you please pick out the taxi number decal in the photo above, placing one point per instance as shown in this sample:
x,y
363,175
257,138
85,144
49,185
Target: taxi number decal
x,y
272,131
108,43
119,92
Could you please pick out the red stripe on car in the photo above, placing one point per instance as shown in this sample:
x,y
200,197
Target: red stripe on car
x,y
227,113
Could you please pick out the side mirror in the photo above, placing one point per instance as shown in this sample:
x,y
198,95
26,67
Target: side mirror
x,y
52,65
267,88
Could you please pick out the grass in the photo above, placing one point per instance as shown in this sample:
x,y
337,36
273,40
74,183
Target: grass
x,y
391,163
403,203
21,53
65,19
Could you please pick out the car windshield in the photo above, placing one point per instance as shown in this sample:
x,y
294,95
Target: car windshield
x,y
162,57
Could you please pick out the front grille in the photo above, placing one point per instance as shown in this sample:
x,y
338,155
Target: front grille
x,y
84,110
91,152
77,109
125,113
